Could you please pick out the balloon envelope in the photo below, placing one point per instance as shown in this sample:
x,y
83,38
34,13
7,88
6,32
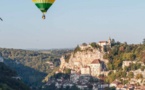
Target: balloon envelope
x,y
43,5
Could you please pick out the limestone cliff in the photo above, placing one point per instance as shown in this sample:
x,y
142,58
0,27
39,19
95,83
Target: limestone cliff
x,y
81,57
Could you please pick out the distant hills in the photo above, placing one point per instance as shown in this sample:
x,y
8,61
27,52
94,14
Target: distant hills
x,y
32,65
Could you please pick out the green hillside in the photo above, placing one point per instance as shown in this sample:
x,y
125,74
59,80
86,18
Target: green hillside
x,y
125,52
7,82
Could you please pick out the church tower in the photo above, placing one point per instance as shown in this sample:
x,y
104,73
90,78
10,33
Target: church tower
x,y
109,41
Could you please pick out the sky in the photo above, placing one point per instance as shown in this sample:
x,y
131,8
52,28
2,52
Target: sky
x,y
70,22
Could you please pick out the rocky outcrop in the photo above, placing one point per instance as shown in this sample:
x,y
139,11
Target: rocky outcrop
x,y
78,59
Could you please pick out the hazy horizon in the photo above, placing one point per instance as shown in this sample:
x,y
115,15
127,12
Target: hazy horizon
x,y
69,24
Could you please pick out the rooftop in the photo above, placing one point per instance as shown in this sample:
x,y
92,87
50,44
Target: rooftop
x,y
103,42
96,61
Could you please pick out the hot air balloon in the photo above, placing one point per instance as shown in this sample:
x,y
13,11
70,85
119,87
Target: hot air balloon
x,y
43,5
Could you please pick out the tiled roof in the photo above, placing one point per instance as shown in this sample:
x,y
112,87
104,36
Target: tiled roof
x,y
115,82
96,61
103,42
86,67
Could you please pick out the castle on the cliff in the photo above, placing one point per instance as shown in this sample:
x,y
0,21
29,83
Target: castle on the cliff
x,y
102,44
105,44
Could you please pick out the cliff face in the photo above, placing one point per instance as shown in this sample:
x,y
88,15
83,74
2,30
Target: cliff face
x,y
81,58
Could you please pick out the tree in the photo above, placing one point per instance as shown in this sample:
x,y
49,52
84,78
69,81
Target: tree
x,y
126,69
67,57
84,44
77,49
122,49
130,74
110,66
143,60
119,74
143,57
67,71
123,74
112,42
139,76
142,68
143,41
115,50
112,88
131,56
111,77
125,43
117,64
95,45
74,88
128,49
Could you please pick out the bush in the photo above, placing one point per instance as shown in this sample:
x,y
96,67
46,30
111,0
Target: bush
x,y
77,49
95,45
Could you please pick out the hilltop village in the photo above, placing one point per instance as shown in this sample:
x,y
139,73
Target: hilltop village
x,y
88,60
106,65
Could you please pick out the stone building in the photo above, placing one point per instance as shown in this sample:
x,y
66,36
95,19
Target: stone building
x,y
105,44
127,63
96,67
86,70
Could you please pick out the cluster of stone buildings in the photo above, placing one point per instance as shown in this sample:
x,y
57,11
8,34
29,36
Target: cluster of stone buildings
x,y
120,86
103,44
80,81
127,63
83,82
133,83
135,72
96,67
88,63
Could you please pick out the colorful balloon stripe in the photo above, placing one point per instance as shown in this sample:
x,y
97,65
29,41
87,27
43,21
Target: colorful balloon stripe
x,y
44,1
43,6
